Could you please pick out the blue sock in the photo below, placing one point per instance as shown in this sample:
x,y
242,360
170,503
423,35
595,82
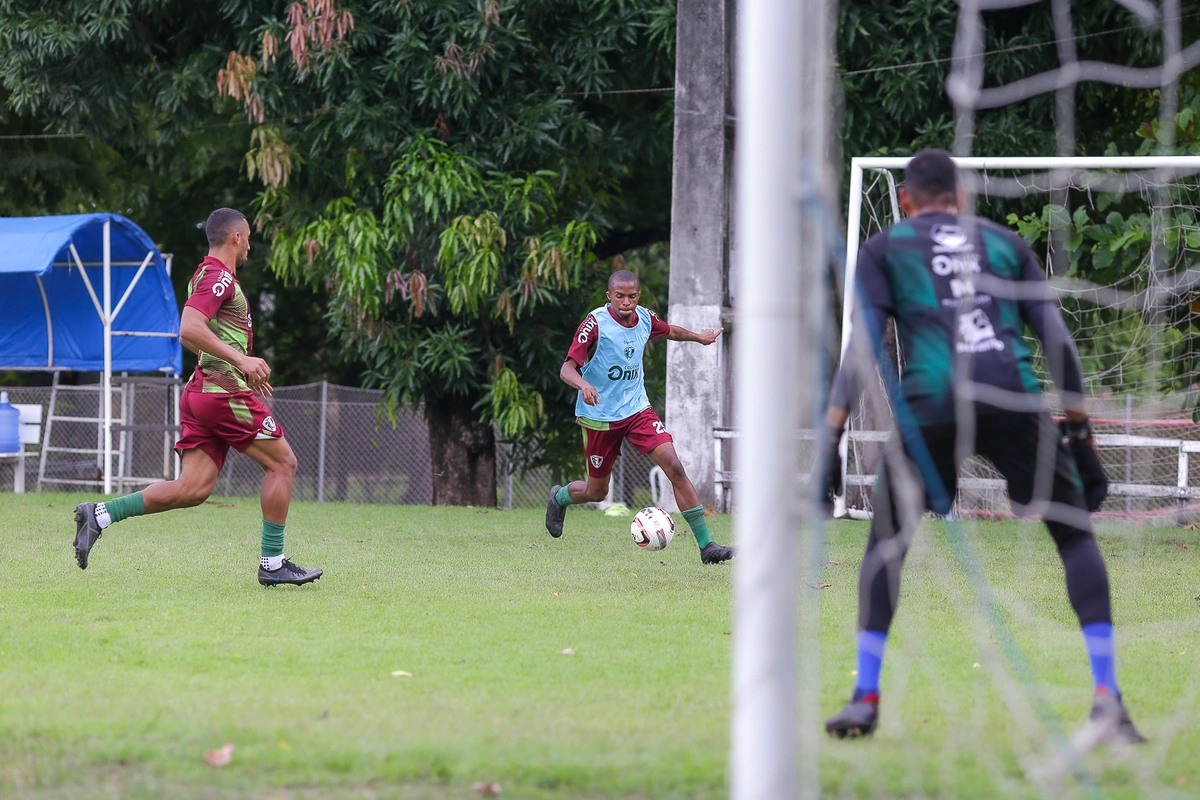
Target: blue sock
x,y
870,663
1098,638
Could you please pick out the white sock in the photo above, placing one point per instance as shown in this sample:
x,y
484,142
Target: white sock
x,y
271,563
102,517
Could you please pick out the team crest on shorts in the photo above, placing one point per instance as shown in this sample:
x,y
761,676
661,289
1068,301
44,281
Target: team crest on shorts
x,y
597,461
269,425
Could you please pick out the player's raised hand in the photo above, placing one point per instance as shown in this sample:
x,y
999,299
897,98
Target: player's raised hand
x,y
255,370
708,336
590,396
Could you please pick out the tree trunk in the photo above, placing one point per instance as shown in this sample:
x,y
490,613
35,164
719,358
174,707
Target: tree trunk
x,y
463,451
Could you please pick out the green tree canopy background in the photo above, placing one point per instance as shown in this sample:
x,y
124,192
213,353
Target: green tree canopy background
x,y
442,186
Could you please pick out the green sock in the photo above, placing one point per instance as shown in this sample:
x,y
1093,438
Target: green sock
x,y
272,539
563,497
130,505
695,518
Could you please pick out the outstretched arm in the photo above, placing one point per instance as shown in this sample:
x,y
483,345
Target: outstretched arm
x,y
705,337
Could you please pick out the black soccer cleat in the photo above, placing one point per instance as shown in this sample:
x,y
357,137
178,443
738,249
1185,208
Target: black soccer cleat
x,y
857,718
288,573
554,513
1110,713
714,553
87,531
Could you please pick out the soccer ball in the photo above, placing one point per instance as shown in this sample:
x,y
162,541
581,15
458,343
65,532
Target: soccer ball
x,y
652,528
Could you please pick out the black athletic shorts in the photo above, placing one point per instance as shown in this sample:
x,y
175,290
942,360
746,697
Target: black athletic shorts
x,y
1014,442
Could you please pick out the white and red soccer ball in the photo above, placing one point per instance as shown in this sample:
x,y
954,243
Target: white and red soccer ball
x,y
652,528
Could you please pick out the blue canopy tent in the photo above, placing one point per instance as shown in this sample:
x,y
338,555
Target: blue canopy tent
x,y
86,292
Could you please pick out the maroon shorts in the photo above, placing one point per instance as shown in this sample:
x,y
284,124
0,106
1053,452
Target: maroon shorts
x,y
215,421
644,431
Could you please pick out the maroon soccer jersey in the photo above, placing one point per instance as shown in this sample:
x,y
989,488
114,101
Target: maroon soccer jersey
x,y
584,343
216,293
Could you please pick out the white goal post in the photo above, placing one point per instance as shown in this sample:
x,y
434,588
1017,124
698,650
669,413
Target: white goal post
x,y
1158,170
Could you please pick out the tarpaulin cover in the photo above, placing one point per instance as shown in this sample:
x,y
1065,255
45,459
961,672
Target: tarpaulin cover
x,y
47,317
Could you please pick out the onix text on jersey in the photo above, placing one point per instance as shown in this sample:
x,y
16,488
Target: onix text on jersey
x,y
223,282
589,325
619,373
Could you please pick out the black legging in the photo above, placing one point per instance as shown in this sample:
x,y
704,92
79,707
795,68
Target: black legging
x,y
1015,443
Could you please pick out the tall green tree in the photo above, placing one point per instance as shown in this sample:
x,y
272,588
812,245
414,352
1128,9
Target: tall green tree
x,y
441,185
462,173
453,177
132,86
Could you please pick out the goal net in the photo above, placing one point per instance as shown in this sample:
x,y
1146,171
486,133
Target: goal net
x,y
1119,237
984,680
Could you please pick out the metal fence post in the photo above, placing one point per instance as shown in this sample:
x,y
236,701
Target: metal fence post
x,y
1182,484
321,443
1128,450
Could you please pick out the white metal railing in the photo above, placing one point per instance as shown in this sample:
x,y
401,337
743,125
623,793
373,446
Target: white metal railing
x,y
1181,491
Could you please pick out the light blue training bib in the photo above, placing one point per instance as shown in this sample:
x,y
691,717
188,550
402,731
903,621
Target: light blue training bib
x,y
615,369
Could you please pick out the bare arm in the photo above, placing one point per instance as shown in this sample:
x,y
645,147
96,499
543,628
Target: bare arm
x,y
705,337
196,336
571,376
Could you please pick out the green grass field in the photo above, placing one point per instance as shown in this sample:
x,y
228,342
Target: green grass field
x,y
115,681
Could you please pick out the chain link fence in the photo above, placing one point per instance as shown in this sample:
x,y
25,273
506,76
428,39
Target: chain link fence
x,y
348,451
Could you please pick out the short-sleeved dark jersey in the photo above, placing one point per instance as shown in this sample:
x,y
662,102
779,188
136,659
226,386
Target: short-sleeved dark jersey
x,y
943,279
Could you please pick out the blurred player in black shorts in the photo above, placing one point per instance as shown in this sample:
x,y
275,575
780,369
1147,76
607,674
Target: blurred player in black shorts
x,y
961,291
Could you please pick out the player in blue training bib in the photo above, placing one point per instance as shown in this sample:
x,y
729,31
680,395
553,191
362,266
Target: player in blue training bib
x,y
604,363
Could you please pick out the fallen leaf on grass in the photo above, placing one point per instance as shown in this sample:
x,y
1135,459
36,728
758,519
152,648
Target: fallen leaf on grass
x,y
221,756
399,673
558,594
819,585
568,652
481,511
1180,780
975,665
661,562
834,561
218,504
487,789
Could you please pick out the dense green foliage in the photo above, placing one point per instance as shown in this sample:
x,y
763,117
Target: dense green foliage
x,y
451,176
1141,242
441,186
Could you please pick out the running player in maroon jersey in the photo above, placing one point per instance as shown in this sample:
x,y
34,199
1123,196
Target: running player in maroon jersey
x,y
220,408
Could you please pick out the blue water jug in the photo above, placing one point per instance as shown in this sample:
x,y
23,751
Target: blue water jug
x,y
10,426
